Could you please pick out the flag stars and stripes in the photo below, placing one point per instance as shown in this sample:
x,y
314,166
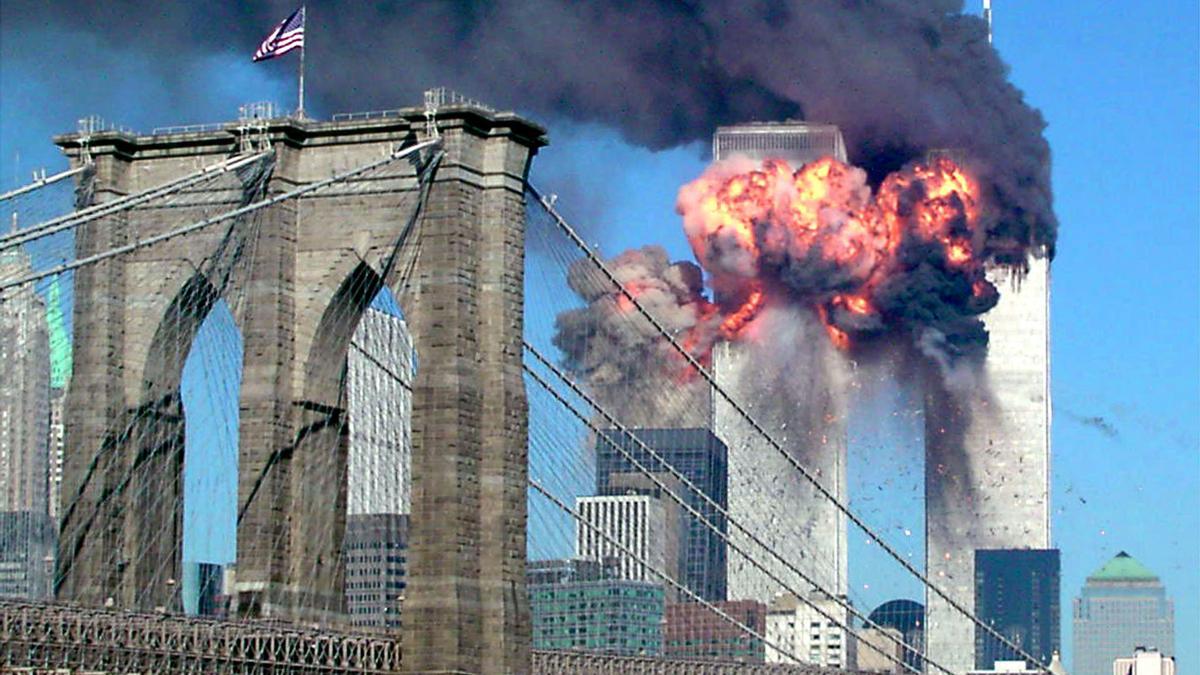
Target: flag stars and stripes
x,y
288,35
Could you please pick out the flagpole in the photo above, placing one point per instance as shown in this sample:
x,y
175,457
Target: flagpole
x,y
300,110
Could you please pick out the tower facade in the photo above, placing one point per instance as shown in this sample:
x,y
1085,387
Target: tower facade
x,y
379,370
987,459
26,529
1016,593
699,456
812,422
1123,606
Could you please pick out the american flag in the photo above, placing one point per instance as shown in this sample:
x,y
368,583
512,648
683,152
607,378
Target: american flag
x,y
287,36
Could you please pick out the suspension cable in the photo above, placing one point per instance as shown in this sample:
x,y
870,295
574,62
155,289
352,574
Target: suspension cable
x,y
761,431
228,215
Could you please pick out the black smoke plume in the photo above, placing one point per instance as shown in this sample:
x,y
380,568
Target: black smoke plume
x,y
900,77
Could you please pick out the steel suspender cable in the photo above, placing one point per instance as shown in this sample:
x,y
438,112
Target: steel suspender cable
x,y
684,480
207,222
41,182
77,218
758,428
659,573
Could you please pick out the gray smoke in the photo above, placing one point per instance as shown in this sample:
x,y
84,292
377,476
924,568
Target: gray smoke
x,y
622,357
900,77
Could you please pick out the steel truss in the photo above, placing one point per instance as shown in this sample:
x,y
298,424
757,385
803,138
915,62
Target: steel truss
x,y
42,637
47,636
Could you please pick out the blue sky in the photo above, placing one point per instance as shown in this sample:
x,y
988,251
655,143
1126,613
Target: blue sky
x,y
1119,84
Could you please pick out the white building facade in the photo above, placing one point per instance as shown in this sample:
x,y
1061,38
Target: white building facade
x,y
796,627
987,459
804,406
380,373
639,523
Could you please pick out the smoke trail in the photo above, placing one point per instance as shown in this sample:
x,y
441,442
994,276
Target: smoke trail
x,y
899,77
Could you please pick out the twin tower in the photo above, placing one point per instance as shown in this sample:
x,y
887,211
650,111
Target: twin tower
x,y
987,451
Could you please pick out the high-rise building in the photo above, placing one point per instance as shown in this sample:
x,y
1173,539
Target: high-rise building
x,y
811,426
26,555
202,588
1123,606
906,617
987,458
25,394
26,532
1016,593
379,372
694,631
61,364
800,631
1144,662
638,523
581,604
376,547
699,456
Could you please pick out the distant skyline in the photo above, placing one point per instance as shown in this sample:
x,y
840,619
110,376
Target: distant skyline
x,y
1119,86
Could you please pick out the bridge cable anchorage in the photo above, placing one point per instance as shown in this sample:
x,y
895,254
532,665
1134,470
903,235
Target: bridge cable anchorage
x,y
578,391
41,182
761,431
77,218
657,572
207,222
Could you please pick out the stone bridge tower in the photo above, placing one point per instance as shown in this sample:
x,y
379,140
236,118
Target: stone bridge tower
x,y
307,271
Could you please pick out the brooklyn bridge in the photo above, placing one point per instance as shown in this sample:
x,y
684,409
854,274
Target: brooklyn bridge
x,y
353,330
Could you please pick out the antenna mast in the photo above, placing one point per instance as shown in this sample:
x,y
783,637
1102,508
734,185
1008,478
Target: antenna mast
x,y
987,16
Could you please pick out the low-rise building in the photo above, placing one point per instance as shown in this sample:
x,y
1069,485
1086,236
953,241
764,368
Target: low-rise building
x,y
581,604
1145,661
804,635
694,631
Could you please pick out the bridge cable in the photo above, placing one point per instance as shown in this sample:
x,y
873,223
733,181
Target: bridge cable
x,y
702,519
758,428
207,222
77,218
657,572
41,182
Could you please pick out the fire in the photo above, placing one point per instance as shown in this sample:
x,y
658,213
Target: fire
x,y
733,324
820,224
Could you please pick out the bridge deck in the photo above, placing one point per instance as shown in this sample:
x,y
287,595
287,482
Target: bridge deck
x,y
38,637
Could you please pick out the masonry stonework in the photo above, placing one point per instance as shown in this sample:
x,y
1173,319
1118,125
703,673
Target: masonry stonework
x,y
306,272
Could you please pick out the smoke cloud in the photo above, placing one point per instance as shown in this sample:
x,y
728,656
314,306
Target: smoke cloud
x,y
621,356
900,77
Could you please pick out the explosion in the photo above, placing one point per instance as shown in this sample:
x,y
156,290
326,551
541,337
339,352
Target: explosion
x,y
904,259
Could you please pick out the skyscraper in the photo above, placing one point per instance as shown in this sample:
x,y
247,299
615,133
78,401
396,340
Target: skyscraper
x,y
376,554
611,525
61,364
698,455
379,368
379,372
26,532
1123,606
1016,593
25,394
987,458
808,416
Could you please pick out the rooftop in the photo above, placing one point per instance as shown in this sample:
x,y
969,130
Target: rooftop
x,y
1123,568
